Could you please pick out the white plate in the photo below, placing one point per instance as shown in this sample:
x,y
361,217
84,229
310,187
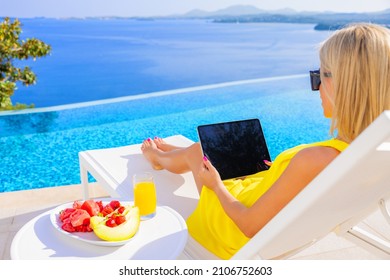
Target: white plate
x,y
88,237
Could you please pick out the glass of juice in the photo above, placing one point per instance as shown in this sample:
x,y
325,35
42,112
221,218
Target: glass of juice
x,y
145,195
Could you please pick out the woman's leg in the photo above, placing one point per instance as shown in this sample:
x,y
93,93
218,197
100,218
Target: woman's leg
x,y
177,161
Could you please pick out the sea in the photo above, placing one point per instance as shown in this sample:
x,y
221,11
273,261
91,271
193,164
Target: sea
x,y
114,82
94,59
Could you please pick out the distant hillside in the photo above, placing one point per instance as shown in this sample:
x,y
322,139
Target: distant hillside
x,y
322,21
237,10
230,11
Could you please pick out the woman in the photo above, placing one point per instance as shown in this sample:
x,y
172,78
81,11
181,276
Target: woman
x,y
354,85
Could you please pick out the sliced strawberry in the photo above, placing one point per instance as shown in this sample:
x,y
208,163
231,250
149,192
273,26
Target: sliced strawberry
x,y
121,209
86,222
83,228
115,204
107,210
120,219
111,223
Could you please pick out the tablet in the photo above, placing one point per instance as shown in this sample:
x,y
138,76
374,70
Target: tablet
x,y
236,148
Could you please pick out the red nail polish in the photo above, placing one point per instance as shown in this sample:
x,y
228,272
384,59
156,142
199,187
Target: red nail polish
x,y
205,158
149,139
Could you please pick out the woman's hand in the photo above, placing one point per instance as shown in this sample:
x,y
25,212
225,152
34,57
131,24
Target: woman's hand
x,y
209,175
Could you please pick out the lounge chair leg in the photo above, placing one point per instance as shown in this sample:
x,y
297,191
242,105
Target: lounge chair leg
x,y
84,181
370,242
384,210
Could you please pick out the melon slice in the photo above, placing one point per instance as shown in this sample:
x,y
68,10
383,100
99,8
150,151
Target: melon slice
x,y
121,232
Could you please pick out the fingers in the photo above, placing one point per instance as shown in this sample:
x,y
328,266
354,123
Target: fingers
x,y
267,162
209,167
207,163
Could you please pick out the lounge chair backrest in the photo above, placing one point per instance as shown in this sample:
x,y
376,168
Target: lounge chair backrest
x,y
341,196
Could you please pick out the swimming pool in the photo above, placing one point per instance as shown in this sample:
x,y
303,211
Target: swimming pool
x,y
39,148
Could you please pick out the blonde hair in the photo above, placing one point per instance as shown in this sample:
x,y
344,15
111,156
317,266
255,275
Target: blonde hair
x,y
358,58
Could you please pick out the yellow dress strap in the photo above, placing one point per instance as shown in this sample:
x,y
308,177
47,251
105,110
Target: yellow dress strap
x,y
334,143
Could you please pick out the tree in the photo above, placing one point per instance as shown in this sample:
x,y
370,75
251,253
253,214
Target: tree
x,y
13,48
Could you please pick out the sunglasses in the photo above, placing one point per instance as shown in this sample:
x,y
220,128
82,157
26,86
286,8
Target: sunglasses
x,y
315,78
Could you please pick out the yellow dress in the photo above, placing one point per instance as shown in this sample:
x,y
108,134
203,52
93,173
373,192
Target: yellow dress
x,y
210,225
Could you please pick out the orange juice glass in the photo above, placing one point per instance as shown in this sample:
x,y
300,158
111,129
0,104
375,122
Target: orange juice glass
x,y
145,197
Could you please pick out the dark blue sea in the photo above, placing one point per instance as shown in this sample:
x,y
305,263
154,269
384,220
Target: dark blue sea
x,y
95,59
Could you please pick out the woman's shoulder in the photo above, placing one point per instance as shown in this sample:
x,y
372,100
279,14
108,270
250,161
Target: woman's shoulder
x,y
318,153
315,158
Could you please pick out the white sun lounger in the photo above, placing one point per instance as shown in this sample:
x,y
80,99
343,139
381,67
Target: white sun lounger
x,y
353,186
341,196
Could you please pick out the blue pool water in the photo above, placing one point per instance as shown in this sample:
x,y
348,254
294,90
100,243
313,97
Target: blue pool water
x,y
41,149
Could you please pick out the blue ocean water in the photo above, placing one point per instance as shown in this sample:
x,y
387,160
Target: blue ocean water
x,y
105,59
95,59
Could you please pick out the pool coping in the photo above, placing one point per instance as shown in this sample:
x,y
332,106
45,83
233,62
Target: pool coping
x,y
147,95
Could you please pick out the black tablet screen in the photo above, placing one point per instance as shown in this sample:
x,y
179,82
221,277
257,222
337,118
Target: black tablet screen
x,y
235,148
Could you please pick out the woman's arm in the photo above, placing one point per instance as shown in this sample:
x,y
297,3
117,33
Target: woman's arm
x,y
302,169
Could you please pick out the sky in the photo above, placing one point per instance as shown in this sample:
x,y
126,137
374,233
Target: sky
x,y
130,8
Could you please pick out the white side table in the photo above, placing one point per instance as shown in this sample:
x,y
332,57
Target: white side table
x,y
162,237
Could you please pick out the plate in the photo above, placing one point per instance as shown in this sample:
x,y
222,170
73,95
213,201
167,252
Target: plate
x,y
88,237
